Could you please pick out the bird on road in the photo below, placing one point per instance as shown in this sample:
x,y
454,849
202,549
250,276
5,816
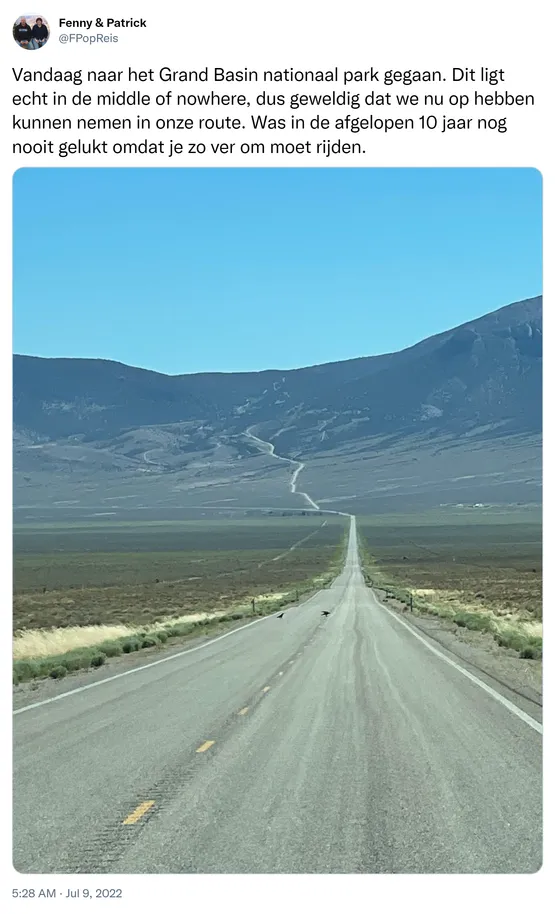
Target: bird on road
x,y
280,615
325,612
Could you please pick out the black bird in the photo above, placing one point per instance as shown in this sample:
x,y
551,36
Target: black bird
x,y
325,612
280,615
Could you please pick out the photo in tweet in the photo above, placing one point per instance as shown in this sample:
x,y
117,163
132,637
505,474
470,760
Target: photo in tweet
x,y
277,521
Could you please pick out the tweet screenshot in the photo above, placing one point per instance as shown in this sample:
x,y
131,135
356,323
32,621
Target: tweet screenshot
x,y
274,411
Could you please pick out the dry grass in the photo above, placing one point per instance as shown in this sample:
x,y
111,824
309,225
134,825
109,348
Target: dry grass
x,y
48,642
485,577
527,628
38,643
505,615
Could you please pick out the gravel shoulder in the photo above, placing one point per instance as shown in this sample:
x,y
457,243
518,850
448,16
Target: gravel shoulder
x,y
478,650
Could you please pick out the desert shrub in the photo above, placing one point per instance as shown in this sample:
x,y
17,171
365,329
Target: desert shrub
x,y
228,617
58,672
132,644
237,615
479,622
149,641
111,648
162,636
474,621
76,660
511,639
25,670
537,644
533,649
529,647
98,659
180,628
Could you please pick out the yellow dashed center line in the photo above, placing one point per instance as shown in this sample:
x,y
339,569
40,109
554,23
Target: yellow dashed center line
x,y
243,710
206,745
266,689
138,812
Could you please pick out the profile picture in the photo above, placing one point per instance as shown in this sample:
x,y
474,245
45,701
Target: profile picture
x,y
31,32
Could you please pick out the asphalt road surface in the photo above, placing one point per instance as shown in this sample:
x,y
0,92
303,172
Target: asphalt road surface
x,y
309,744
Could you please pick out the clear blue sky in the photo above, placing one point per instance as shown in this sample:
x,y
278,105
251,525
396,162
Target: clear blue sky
x,y
185,270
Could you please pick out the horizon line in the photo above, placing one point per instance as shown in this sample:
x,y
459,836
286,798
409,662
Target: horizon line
x,y
355,358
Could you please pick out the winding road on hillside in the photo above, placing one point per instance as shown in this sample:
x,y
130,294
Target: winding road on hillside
x,y
347,743
268,448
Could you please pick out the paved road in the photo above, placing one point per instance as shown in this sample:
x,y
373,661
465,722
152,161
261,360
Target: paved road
x,y
329,744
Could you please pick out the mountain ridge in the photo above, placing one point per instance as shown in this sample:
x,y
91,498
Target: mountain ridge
x,y
481,379
532,300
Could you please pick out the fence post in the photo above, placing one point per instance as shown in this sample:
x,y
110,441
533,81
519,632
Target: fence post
x,y
253,604
411,602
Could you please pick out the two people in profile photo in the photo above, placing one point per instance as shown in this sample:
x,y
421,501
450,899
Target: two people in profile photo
x,y
31,32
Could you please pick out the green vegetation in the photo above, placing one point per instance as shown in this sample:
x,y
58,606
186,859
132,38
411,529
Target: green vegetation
x,y
58,665
78,626
480,570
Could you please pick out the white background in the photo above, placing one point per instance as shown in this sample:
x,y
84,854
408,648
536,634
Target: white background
x,y
432,34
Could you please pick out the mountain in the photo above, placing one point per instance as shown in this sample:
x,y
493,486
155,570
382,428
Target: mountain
x,y
475,387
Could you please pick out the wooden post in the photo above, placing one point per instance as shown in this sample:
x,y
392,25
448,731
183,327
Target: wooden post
x,y
253,604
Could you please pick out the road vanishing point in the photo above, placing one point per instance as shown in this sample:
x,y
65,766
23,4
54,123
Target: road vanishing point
x,y
347,743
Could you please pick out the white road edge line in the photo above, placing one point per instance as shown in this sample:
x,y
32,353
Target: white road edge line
x,y
145,666
514,709
190,650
